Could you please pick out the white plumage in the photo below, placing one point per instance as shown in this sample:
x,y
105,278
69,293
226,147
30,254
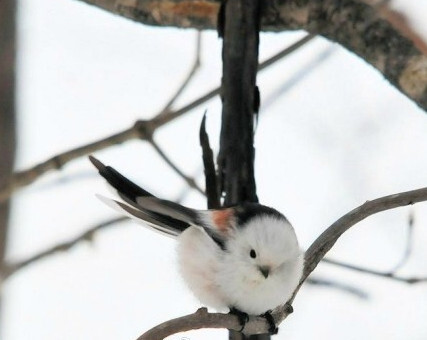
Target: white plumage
x,y
245,257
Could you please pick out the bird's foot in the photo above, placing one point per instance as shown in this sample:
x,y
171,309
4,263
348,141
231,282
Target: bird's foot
x,y
272,329
242,316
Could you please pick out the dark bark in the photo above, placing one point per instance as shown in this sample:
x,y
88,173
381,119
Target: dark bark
x,y
370,31
239,104
7,113
240,63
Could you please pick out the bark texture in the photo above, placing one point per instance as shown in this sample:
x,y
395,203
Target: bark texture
x,y
239,24
7,114
361,26
7,108
239,104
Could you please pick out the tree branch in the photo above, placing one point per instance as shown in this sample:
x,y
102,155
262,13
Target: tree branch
x,y
240,66
238,25
319,248
408,246
376,33
202,319
346,288
11,268
141,129
327,239
389,275
190,181
190,75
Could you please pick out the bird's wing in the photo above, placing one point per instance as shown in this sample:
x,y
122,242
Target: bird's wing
x,y
155,222
129,192
162,215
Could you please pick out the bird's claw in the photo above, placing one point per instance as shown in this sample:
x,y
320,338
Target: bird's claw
x,y
272,329
242,316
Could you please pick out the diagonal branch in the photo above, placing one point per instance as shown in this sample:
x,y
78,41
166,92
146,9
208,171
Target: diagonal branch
x,y
315,253
327,239
409,242
11,268
346,288
140,130
190,75
399,21
390,275
368,28
190,181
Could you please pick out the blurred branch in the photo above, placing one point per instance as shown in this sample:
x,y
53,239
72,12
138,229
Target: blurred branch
x,y
190,181
87,236
7,110
346,288
314,254
11,268
142,129
193,70
297,77
399,21
390,275
327,239
8,40
368,28
409,239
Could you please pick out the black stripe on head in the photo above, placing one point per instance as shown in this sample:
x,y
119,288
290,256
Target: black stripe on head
x,y
247,211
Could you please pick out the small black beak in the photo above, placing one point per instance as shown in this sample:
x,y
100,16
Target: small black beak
x,y
265,270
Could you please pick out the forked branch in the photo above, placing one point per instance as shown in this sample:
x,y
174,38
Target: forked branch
x,y
142,129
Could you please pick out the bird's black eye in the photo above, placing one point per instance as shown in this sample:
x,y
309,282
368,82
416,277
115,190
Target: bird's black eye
x,y
252,253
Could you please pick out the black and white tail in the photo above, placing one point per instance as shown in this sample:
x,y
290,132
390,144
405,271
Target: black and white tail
x,y
162,215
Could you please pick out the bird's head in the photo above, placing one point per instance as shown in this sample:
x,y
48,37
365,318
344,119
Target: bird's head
x,y
263,246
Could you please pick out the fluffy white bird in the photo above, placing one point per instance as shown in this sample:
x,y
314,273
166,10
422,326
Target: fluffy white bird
x,y
245,257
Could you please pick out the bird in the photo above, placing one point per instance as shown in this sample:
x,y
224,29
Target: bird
x,y
244,258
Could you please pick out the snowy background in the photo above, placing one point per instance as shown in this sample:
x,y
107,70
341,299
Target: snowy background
x,y
332,134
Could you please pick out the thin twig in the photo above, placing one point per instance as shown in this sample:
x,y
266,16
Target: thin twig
x,y
313,256
346,288
188,78
296,78
328,238
12,268
88,235
408,246
190,181
392,274
389,275
140,130
262,66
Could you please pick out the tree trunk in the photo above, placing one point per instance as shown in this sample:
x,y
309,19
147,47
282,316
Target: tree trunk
x,y
7,112
239,22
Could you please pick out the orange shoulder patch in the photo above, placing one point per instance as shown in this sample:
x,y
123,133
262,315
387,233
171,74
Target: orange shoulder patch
x,y
222,219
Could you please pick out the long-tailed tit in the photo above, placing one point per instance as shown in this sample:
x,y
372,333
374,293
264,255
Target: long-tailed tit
x,y
244,257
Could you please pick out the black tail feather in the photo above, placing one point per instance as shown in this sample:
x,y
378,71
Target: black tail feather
x,y
129,192
118,181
